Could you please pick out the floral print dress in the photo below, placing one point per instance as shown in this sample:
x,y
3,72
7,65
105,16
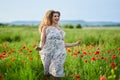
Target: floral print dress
x,y
53,53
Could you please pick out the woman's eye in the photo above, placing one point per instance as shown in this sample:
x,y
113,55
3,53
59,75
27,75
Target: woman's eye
x,y
56,16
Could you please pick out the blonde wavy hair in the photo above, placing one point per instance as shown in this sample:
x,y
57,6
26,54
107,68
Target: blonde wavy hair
x,y
47,19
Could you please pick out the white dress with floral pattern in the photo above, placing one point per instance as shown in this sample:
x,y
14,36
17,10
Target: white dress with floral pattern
x,y
53,53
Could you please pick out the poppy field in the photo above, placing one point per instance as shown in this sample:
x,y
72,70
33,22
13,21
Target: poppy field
x,y
97,58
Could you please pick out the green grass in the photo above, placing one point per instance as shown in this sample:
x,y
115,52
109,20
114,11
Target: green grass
x,y
20,61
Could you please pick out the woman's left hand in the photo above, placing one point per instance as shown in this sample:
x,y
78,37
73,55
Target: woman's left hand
x,y
37,48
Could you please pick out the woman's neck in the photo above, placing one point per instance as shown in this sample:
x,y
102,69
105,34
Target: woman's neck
x,y
54,24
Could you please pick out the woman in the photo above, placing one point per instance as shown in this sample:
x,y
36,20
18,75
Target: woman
x,y
52,47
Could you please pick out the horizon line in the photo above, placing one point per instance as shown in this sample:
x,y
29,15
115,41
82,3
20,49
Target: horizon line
x,y
60,20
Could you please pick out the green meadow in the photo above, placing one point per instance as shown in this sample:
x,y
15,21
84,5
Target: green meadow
x,y
98,57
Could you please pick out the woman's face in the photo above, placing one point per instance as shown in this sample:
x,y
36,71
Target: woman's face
x,y
55,18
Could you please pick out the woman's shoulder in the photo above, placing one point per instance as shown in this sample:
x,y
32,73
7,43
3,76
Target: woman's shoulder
x,y
45,28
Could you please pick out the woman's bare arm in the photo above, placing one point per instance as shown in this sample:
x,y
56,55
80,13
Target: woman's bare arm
x,y
73,44
43,39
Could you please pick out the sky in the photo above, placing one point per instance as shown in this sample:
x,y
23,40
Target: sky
x,y
34,10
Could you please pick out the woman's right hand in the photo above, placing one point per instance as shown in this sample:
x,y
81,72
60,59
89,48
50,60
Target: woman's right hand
x,y
78,42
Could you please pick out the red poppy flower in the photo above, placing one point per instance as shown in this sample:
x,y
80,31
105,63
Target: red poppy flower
x,y
1,56
119,49
0,76
114,56
84,52
11,51
102,78
77,76
93,58
78,52
97,52
75,53
4,53
30,50
113,65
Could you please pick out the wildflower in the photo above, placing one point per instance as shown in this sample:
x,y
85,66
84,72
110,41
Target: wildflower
x,y
97,52
4,53
31,58
11,51
85,61
78,52
1,56
119,49
93,59
75,53
68,49
114,56
102,77
84,52
23,47
30,50
113,65
13,59
108,51
77,77
27,49
0,76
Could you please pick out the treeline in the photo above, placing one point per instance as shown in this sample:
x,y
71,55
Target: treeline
x,y
72,26
64,26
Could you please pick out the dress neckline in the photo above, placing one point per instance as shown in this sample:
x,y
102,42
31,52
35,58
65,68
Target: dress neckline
x,y
55,27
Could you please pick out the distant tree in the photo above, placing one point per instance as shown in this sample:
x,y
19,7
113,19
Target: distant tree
x,y
68,26
1,24
78,26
